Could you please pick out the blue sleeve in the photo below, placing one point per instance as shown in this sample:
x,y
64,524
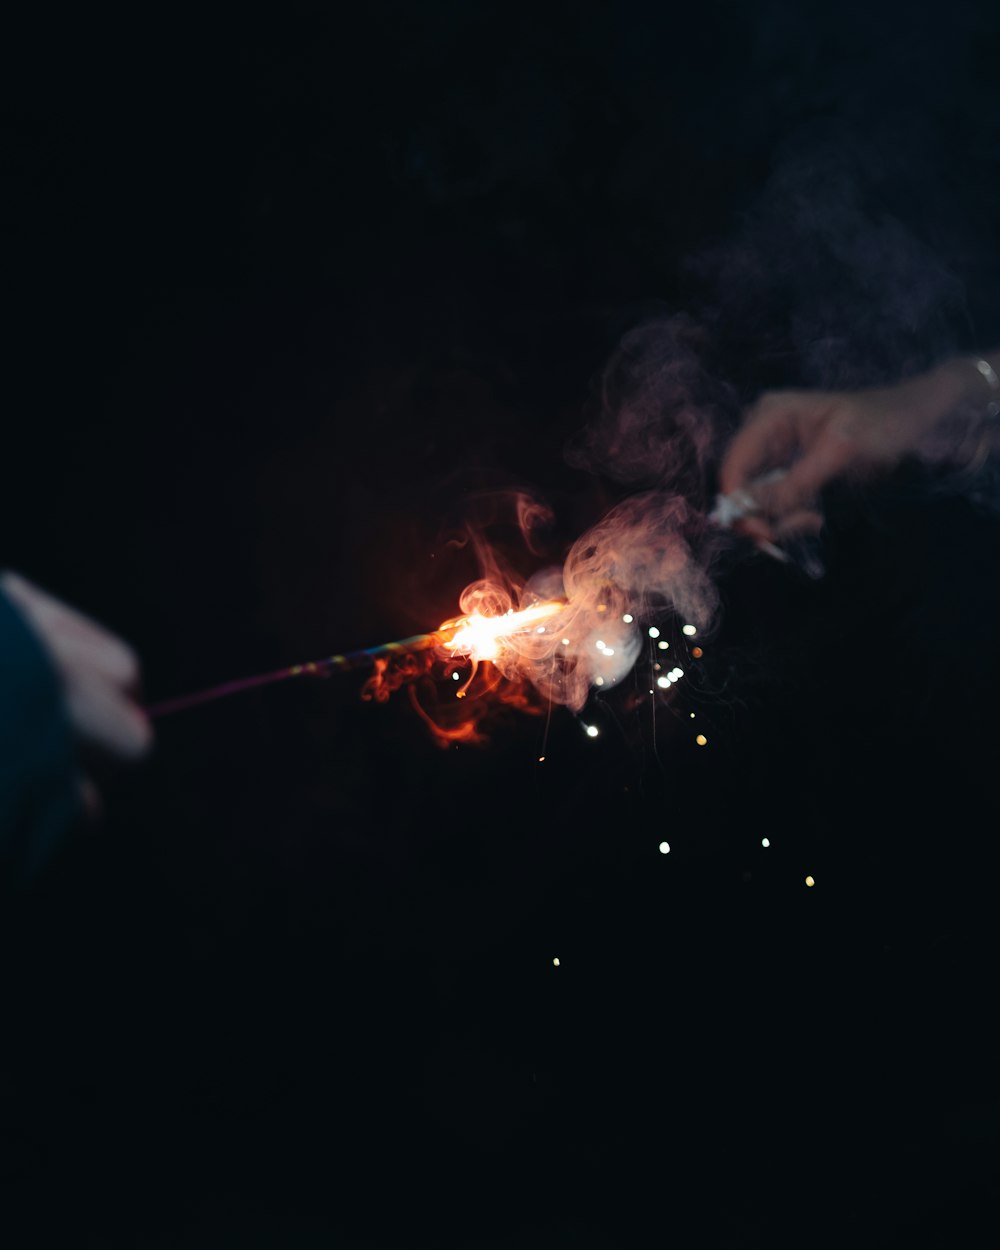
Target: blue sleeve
x,y
38,780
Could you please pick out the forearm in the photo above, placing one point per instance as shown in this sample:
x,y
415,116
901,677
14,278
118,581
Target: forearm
x,y
969,384
953,411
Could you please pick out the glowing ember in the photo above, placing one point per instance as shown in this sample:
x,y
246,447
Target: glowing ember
x,y
483,637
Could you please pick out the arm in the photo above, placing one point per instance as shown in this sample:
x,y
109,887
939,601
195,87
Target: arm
x,y
818,436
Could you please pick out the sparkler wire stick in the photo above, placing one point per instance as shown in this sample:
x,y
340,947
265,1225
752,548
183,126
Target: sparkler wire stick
x,y
472,635
741,503
314,668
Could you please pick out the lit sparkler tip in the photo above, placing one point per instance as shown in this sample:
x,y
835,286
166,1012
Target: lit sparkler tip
x,y
483,637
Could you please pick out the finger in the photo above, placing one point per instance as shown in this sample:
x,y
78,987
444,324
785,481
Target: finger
x,y
104,718
103,657
69,635
831,455
771,435
757,528
768,440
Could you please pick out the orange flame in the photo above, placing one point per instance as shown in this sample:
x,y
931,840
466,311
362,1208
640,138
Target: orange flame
x,y
476,642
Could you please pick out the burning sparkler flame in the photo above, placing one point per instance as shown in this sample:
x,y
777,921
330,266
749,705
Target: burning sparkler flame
x,y
484,637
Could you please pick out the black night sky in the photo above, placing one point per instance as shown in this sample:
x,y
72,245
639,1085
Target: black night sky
x,y
286,295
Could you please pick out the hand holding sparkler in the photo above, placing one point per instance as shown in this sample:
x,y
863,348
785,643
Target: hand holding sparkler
x,y
98,674
794,443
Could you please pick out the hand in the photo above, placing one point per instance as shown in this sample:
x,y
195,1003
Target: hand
x,y
817,436
99,672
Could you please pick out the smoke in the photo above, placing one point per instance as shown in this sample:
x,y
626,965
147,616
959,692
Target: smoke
x,y
661,422
823,283
662,416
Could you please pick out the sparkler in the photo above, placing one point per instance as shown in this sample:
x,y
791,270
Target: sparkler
x,y
731,508
476,637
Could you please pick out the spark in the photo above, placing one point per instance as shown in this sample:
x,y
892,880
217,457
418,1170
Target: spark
x,y
592,731
555,963
701,740
663,683
690,630
628,618
664,848
653,632
663,645
810,881
765,841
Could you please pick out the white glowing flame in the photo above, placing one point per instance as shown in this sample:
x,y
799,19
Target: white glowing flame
x,y
482,637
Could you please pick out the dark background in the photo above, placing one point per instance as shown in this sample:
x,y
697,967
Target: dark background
x,y
284,293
